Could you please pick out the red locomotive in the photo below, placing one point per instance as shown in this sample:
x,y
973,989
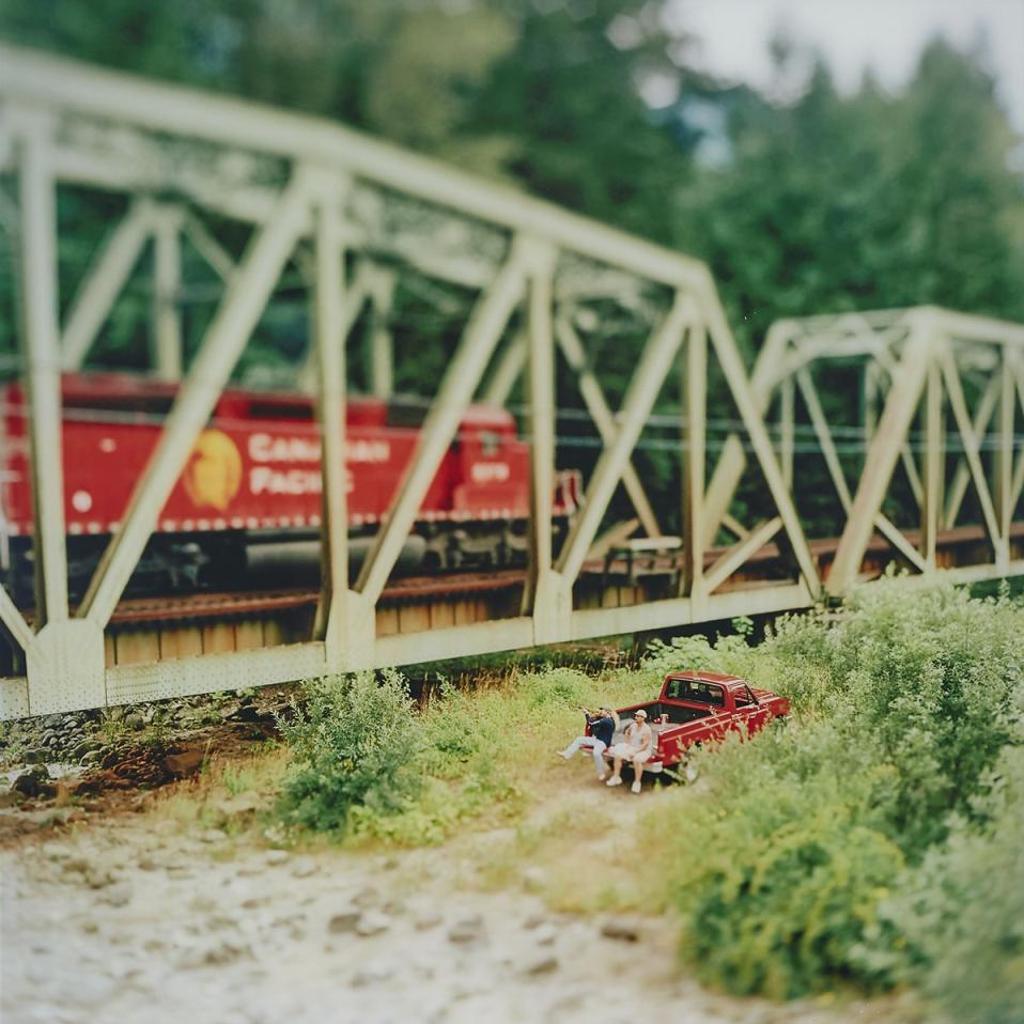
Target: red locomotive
x,y
249,500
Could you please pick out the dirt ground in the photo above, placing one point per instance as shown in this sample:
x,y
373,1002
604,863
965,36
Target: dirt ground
x,y
128,915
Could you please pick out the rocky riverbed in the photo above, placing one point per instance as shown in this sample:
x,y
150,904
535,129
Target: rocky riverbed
x,y
135,920
117,909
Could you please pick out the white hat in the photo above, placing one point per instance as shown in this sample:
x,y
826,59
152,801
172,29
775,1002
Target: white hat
x,y
640,714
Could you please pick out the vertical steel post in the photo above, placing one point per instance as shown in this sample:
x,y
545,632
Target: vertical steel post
x,y
541,365
40,334
933,458
786,429
694,433
380,346
1004,458
329,350
166,317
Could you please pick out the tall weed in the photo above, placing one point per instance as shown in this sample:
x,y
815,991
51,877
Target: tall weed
x,y
355,743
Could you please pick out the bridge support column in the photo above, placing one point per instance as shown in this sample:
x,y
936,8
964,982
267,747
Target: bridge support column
x,y
166,318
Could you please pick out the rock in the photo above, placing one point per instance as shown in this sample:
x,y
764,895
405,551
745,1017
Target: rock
x,y
33,782
623,931
90,926
534,921
371,976
303,867
467,931
213,835
254,901
242,806
212,956
343,923
546,936
119,895
229,710
35,755
542,965
85,747
134,721
276,857
146,863
372,923
93,756
185,763
423,923
533,879
368,897
97,877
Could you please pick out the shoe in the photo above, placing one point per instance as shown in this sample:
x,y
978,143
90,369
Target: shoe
x,y
563,755
603,778
614,781
635,788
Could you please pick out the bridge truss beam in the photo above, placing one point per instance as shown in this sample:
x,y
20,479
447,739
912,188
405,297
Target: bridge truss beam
x,y
356,217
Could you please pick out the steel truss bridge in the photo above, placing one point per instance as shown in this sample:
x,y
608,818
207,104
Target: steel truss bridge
x,y
941,395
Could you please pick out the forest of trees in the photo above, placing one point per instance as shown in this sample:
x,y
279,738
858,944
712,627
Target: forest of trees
x,y
825,203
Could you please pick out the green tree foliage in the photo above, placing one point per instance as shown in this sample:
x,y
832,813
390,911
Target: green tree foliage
x,y
834,203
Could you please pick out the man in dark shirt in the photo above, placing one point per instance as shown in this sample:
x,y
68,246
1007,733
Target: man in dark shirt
x,y
601,729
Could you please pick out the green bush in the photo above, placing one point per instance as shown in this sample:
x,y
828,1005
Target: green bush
x,y
903,705
963,910
355,744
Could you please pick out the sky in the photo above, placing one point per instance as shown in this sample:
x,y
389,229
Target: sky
x,y
885,34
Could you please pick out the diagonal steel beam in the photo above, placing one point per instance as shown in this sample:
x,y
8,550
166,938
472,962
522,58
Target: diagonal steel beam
x,y
604,419
20,631
888,529
511,364
962,476
733,460
750,412
729,561
225,339
208,247
971,446
484,330
660,350
103,283
356,294
900,404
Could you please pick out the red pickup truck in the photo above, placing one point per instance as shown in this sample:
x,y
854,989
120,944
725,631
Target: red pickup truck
x,y
697,707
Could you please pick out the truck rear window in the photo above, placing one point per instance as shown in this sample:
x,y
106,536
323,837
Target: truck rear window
x,y
696,690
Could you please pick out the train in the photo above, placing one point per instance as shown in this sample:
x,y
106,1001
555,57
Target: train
x,y
247,507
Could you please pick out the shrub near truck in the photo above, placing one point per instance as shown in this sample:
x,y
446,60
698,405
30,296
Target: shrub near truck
x,y
699,707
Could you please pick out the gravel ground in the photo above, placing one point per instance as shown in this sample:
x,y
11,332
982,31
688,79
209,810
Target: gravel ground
x,y
130,919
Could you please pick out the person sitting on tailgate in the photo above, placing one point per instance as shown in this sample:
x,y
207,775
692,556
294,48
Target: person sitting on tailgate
x,y
602,729
637,746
